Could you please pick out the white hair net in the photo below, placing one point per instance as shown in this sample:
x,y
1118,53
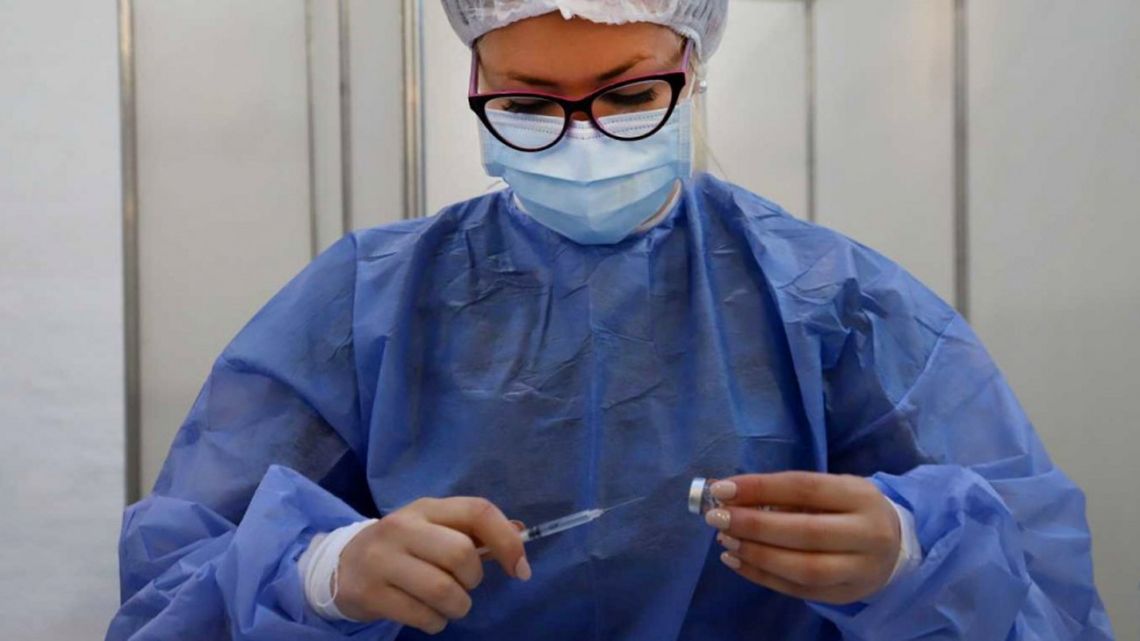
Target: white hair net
x,y
700,20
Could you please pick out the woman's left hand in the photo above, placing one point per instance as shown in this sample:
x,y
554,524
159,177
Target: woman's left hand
x,y
827,538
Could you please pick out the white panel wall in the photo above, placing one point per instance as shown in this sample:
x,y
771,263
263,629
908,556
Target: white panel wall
x,y
377,88
223,186
451,130
885,130
757,102
224,96
61,379
1055,132
324,66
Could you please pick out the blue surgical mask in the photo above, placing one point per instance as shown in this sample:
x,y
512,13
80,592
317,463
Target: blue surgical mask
x,y
591,188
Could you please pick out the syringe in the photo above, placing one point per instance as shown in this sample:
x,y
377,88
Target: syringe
x,y
561,524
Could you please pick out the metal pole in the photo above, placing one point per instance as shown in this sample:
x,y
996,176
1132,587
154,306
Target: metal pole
x,y
415,187
311,127
131,309
961,159
344,37
810,73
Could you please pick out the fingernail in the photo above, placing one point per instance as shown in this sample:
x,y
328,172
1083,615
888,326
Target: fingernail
x,y
519,525
728,542
730,560
522,570
718,518
723,490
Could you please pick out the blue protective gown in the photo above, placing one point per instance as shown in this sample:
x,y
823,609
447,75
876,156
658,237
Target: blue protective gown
x,y
478,353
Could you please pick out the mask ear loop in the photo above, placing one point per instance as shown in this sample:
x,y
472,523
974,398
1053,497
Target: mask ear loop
x,y
472,89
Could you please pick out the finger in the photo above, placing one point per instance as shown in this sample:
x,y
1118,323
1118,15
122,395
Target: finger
x,y
803,490
449,550
397,605
809,569
480,519
826,532
434,587
836,595
485,552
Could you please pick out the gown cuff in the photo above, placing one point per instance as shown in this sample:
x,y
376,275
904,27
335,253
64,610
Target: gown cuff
x,y
910,551
318,569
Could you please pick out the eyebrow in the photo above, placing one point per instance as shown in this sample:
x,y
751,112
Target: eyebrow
x,y
603,77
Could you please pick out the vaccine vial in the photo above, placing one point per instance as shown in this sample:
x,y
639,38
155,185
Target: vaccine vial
x,y
701,499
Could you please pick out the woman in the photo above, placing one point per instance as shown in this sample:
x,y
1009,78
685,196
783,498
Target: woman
x,y
605,330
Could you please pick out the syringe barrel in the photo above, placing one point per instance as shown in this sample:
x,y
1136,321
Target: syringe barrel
x,y
562,524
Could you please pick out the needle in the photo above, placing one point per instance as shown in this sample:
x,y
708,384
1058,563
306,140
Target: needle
x,y
568,522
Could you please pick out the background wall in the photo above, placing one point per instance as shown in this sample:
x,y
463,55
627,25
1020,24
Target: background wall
x,y
61,350
243,171
884,144
1054,193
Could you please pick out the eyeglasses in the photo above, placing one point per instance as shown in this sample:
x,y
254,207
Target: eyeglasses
x,y
629,110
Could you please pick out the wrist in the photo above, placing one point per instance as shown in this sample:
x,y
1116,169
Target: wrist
x,y
320,572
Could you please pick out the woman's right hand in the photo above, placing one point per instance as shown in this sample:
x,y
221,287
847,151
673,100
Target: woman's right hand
x,y
416,565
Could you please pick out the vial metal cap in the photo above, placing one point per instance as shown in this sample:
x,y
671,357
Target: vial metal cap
x,y
697,497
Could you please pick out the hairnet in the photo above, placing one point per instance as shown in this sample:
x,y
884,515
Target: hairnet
x,y
700,20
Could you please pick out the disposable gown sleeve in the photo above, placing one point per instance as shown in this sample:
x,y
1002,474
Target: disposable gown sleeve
x,y
268,456
914,400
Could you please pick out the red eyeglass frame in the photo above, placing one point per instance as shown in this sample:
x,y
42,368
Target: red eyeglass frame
x,y
677,79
